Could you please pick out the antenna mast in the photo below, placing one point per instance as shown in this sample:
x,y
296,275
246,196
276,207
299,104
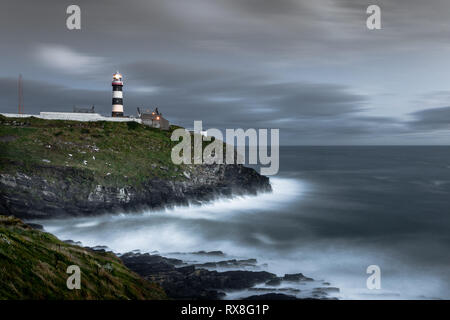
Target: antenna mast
x,y
20,95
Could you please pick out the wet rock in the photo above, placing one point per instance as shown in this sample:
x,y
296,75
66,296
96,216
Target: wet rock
x,y
72,191
229,263
292,290
296,277
101,249
326,290
274,282
272,296
145,264
209,253
186,269
190,282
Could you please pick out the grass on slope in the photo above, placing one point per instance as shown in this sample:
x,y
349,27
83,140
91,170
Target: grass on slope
x,y
33,265
116,152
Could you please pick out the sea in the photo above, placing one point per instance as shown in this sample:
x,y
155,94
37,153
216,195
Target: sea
x,y
333,213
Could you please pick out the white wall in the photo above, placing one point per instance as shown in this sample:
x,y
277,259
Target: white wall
x,y
70,116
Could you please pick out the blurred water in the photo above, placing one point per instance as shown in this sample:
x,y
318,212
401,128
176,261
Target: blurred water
x,y
334,211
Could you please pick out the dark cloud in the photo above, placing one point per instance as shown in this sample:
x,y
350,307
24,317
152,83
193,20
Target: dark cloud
x,y
435,119
289,107
288,64
226,94
42,96
256,28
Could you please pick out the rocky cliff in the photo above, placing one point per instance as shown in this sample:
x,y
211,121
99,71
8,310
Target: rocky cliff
x,y
74,192
60,168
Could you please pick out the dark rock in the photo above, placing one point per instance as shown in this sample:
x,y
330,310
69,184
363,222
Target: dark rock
x,y
189,282
75,192
296,277
101,249
244,279
322,293
274,282
75,243
289,289
326,290
36,226
210,253
262,289
275,289
186,270
272,296
147,264
229,263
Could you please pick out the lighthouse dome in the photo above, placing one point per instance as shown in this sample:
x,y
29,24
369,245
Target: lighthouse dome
x,y
117,79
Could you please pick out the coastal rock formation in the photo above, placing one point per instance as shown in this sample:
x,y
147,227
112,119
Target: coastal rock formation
x,y
272,296
184,280
68,168
188,281
70,191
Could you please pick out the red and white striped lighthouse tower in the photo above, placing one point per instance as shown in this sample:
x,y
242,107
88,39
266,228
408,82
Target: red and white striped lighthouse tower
x,y
117,98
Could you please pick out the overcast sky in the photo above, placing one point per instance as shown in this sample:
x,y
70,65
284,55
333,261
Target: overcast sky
x,y
310,68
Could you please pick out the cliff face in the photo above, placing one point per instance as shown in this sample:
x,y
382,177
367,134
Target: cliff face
x,y
74,192
60,168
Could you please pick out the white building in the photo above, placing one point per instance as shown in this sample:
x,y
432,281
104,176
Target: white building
x,y
73,116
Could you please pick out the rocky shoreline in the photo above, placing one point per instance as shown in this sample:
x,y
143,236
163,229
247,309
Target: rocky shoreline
x,y
214,275
61,169
34,266
182,280
64,191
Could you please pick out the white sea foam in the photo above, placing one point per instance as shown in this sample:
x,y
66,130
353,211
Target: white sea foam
x,y
269,227
172,229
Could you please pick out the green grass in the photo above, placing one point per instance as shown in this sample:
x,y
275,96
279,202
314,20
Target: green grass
x,y
114,152
33,265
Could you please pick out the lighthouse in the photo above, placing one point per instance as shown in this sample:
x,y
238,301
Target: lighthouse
x,y
117,98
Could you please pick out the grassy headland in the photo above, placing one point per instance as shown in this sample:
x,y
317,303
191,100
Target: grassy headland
x,y
115,152
55,168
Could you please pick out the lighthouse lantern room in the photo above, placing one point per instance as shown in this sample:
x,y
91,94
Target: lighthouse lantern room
x,y
117,99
